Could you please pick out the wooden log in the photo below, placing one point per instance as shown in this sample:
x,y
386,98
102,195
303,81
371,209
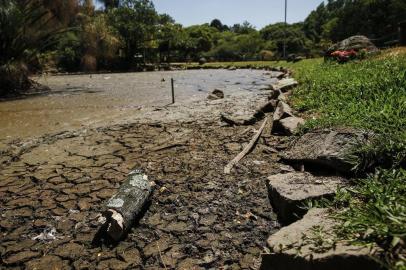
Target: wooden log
x,y
122,209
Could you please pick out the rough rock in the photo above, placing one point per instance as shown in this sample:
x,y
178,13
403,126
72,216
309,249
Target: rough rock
x,y
69,251
48,262
202,61
288,126
282,111
216,94
249,117
285,84
288,192
21,257
241,118
294,58
353,43
274,94
277,74
268,107
327,148
309,244
282,97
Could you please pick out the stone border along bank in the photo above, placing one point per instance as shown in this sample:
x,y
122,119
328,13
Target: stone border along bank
x,y
316,169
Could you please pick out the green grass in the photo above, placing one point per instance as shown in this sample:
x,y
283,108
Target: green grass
x,y
369,95
307,63
375,212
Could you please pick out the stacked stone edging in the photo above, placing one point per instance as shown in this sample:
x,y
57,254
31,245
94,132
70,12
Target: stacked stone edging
x,y
310,243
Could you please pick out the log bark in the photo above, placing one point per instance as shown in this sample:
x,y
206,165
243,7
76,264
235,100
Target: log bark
x,y
122,209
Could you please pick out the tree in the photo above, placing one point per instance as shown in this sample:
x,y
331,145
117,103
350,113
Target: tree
x,y
137,22
109,4
376,19
28,28
296,41
216,23
100,43
171,37
232,46
244,28
313,25
200,39
339,19
249,45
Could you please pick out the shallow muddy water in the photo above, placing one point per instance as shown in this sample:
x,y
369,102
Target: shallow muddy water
x,y
103,99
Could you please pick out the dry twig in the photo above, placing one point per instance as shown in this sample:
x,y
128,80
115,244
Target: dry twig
x,y
247,149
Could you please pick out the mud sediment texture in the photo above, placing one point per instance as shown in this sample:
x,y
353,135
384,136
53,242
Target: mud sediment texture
x,y
52,188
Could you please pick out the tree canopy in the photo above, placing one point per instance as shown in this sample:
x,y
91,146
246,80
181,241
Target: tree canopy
x,y
126,34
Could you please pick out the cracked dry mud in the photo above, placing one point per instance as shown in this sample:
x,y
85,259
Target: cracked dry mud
x,y
198,218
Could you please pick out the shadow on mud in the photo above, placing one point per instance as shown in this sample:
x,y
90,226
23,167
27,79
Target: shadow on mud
x,y
101,238
68,91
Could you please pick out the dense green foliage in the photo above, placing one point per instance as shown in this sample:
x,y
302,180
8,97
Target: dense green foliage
x,y
27,28
127,34
338,19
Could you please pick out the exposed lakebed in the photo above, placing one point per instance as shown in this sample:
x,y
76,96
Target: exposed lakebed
x,y
52,186
77,101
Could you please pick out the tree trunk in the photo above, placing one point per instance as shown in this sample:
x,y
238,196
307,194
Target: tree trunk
x,y
402,33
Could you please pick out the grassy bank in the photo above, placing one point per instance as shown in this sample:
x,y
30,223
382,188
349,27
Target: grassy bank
x,y
369,95
307,63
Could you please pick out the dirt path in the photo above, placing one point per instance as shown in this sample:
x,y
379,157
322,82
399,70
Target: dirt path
x,y
199,218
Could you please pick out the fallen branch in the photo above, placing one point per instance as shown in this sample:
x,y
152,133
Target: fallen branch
x,y
247,149
160,256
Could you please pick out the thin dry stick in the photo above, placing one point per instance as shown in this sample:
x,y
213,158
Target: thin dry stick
x,y
247,149
160,256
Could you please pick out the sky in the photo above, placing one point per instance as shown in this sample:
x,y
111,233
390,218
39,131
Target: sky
x,y
258,12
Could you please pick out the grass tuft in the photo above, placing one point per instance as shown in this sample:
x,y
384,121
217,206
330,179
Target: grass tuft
x,y
375,212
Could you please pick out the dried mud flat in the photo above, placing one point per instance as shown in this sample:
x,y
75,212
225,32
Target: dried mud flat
x,y
198,218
